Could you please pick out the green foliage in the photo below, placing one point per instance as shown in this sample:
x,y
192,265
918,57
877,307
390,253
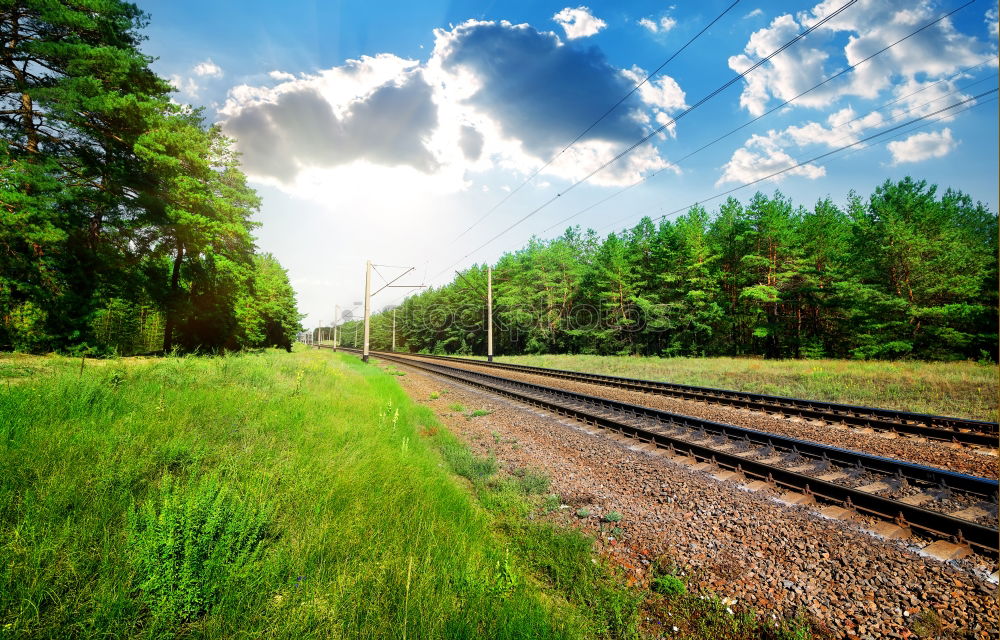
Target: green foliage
x,y
668,585
551,503
942,388
582,513
907,273
612,516
366,534
464,463
126,220
564,557
266,311
532,481
191,543
479,413
456,407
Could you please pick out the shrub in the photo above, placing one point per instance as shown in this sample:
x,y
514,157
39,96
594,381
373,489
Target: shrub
x,y
466,464
552,502
191,543
532,482
669,585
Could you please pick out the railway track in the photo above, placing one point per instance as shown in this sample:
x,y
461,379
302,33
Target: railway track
x,y
939,503
939,428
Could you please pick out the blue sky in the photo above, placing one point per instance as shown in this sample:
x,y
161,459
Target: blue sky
x,y
384,130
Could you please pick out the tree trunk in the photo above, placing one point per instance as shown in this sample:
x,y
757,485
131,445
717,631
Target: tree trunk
x,y
175,281
27,110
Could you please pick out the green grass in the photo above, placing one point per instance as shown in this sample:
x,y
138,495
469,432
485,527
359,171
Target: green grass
x,y
269,495
965,389
280,495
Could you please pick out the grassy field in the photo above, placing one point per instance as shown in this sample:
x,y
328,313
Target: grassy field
x,y
965,389
283,496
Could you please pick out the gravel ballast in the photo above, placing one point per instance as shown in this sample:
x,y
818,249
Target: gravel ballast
x,y
935,454
743,545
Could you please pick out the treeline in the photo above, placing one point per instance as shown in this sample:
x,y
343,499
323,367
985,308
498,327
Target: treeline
x,y
126,221
905,273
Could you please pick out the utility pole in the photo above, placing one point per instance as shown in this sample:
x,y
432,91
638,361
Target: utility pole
x,y
368,307
336,317
393,329
489,313
368,304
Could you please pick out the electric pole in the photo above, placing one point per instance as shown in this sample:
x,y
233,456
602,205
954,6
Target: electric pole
x,y
489,313
368,307
336,317
368,304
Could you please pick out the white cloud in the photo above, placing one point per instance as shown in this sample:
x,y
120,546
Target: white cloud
x,y
185,86
753,14
491,96
340,86
528,95
916,98
916,72
295,127
579,22
662,91
208,68
664,25
761,156
992,20
667,23
844,127
869,25
922,146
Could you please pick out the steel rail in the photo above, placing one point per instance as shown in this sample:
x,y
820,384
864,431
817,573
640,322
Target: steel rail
x,y
581,407
946,428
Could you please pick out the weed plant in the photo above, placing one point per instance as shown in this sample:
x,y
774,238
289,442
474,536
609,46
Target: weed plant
x,y
261,495
277,495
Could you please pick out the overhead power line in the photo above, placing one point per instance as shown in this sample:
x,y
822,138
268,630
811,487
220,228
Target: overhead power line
x,y
777,108
921,125
901,130
897,116
658,130
828,153
604,115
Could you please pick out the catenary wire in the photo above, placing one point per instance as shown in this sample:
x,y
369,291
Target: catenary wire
x,y
770,111
821,156
656,131
894,118
648,77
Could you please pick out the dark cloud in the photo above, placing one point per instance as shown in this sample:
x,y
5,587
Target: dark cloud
x,y
300,129
471,142
540,91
